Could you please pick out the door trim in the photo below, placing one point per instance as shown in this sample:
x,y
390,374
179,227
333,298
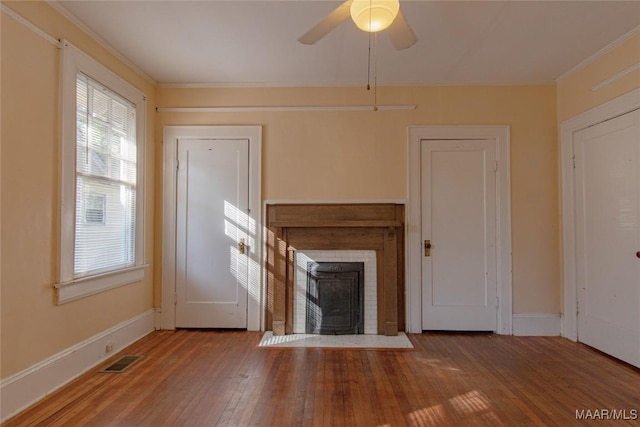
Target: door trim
x,y
500,134
255,319
616,107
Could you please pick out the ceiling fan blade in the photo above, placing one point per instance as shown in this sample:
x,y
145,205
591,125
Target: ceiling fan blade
x,y
401,34
332,20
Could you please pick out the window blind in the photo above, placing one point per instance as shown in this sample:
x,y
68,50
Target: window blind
x,y
106,170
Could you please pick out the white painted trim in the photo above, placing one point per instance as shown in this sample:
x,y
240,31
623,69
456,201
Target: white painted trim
x,y
250,109
255,307
500,134
616,107
593,58
85,286
7,10
616,76
26,387
331,201
102,42
298,84
537,324
157,318
215,85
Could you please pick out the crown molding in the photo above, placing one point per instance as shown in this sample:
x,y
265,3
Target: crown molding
x,y
102,42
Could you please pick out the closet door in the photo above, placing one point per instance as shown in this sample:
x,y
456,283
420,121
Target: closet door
x,y
607,180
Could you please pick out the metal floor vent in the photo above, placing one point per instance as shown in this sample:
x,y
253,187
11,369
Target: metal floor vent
x,y
122,364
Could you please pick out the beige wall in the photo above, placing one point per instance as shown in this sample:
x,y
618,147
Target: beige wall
x,y
575,92
33,327
342,155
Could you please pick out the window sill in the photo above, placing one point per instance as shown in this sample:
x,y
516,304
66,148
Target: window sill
x,y
85,286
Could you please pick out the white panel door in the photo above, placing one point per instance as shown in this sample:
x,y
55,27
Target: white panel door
x,y
459,277
607,180
211,220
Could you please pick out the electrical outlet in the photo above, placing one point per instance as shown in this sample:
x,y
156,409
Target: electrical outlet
x,y
109,347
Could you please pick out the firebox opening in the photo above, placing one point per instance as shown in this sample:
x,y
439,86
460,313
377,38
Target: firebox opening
x,y
335,298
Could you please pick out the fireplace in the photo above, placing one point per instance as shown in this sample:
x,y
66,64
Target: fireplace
x,y
297,229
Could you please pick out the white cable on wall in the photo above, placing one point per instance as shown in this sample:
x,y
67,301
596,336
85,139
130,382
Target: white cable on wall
x,y
283,108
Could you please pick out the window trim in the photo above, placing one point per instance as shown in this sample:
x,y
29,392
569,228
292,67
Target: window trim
x,y
71,287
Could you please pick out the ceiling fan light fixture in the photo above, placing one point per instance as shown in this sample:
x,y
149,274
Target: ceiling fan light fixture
x,y
374,15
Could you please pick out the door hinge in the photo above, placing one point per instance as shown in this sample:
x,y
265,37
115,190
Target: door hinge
x,y
573,161
175,298
177,165
495,166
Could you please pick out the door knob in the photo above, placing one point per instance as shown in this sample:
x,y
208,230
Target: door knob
x,y
241,247
427,248
638,254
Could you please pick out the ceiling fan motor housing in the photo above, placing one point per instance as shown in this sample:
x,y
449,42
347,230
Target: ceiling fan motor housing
x,y
374,15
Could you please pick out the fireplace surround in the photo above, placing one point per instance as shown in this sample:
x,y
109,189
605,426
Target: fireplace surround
x,y
368,258
371,226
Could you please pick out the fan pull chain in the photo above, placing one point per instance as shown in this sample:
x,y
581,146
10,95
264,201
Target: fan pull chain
x,y
369,65
369,56
375,62
375,72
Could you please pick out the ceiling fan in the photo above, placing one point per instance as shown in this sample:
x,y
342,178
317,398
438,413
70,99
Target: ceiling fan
x,y
370,16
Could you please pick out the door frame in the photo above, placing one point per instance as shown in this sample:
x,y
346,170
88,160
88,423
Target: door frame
x,y
417,134
171,134
616,107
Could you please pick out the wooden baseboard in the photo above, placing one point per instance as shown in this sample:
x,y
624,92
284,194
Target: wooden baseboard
x,y
21,390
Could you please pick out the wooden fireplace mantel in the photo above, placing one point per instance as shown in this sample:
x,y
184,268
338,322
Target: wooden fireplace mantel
x,y
371,226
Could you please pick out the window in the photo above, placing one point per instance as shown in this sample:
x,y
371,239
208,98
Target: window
x,y
101,179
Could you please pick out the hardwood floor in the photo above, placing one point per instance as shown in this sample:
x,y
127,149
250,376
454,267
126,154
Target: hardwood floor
x,y
209,378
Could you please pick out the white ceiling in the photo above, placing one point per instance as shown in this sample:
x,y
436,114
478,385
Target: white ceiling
x,y
255,42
